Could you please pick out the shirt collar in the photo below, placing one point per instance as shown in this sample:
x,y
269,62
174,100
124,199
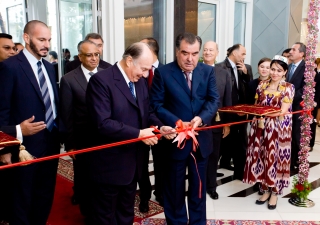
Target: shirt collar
x,y
232,63
32,60
156,64
86,71
297,64
123,73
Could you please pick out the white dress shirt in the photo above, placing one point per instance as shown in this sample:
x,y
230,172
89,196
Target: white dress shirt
x,y
235,70
126,78
86,72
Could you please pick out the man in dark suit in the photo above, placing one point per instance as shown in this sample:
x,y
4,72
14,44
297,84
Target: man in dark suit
x,y
97,39
235,144
295,76
223,81
186,90
118,104
157,150
28,87
79,133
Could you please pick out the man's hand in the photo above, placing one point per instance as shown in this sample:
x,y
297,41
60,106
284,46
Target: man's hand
x,y
166,129
241,66
225,131
6,158
196,122
148,132
72,156
28,128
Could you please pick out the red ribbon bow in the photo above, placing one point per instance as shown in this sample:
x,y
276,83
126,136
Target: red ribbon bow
x,y
184,134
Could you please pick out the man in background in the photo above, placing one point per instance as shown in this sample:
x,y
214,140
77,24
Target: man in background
x,y
286,53
80,132
7,48
19,47
97,39
223,81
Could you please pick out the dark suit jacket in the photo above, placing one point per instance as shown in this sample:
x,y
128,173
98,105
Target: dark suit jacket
x,y
223,82
238,93
118,117
75,63
249,71
11,130
317,89
297,80
172,100
79,131
21,98
251,90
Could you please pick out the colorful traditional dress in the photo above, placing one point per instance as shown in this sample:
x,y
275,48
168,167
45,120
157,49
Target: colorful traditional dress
x,y
269,148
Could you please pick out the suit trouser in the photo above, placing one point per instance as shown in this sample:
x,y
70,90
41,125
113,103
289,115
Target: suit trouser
x,y
111,204
235,146
213,162
313,127
296,135
33,187
174,192
144,181
80,185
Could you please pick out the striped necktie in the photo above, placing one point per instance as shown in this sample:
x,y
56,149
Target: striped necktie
x,y
291,71
91,73
187,74
46,97
131,87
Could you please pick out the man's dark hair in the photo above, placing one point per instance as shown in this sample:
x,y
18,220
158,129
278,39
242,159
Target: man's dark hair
x,y
28,28
134,50
233,48
54,54
83,42
286,51
302,48
93,36
4,35
189,38
153,44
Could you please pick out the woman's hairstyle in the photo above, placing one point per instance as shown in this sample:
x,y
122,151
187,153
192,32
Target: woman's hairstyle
x,y
265,59
317,61
281,63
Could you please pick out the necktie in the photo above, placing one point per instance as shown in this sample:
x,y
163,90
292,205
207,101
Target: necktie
x,y
91,73
150,77
131,87
188,79
291,71
46,97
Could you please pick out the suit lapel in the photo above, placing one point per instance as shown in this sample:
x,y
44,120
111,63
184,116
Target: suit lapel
x,y
123,86
139,94
81,78
180,78
297,71
196,79
26,68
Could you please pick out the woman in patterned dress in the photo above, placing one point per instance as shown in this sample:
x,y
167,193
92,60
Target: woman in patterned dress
x,y
269,148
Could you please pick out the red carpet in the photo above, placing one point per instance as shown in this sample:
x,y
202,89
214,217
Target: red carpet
x,y
64,213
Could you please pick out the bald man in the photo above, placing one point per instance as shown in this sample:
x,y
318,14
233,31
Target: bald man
x,y
28,88
223,80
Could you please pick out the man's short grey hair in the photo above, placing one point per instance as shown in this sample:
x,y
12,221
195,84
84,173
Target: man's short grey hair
x,y
84,42
135,50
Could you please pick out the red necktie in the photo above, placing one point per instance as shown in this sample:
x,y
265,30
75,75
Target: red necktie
x,y
150,77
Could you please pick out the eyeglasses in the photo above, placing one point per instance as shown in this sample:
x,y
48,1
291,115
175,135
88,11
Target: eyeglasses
x,y
91,55
8,48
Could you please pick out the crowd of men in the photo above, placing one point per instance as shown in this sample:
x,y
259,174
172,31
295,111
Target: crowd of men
x,y
98,103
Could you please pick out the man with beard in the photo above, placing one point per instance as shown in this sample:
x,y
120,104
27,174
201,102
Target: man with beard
x,y
28,88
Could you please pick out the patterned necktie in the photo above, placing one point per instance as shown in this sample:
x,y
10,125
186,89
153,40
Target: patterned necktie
x,y
91,73
188,79
131,87
150,77
291,72
46,97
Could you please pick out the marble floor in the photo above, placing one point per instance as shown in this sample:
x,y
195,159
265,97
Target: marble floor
x,y
237,200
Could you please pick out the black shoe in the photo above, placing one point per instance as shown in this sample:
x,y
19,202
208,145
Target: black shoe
x,y
213,194
220,174
159,199
271,207
259,202
260,192
144,206
74,200
311,149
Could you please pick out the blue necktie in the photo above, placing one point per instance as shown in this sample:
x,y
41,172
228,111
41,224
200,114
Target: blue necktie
x,y
46,97
131,87
291,71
